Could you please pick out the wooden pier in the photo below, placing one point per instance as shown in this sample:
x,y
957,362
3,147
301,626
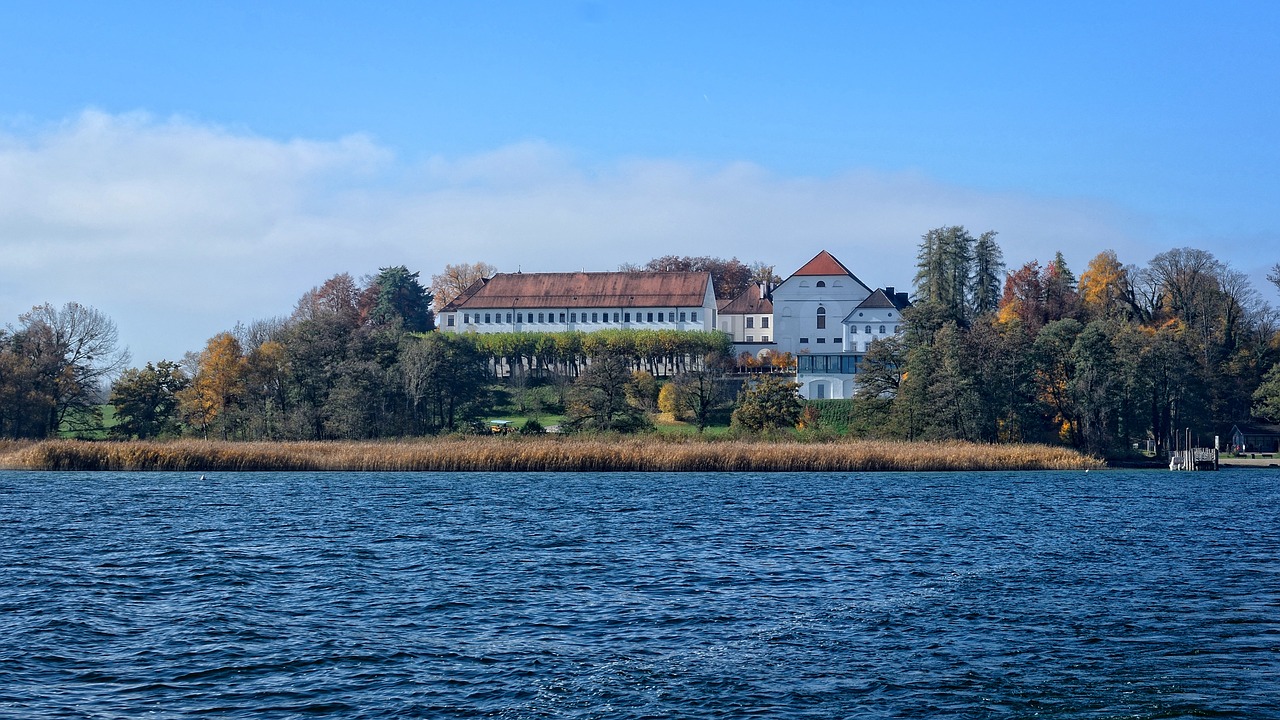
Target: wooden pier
x,y
1187,457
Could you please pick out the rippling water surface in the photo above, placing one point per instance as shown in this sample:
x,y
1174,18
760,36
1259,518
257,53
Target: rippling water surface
x,y
1100,595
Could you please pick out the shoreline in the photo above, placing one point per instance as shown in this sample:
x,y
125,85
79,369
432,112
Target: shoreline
x,y
561,454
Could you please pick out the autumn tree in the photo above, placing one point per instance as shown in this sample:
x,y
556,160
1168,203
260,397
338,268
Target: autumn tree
x,y
1054,369
27,408
216,391
1104,287
71,353
671,401
337,298
455,280
1023,298
598,400
768,404
701,389
729,277
1060,297
644,391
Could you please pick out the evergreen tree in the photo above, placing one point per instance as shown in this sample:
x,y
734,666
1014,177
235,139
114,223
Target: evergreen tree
x,y
1266,399
396,293
146,401
988,274
943,269
1060,297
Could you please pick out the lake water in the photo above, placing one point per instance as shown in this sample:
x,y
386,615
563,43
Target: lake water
x,y
979,595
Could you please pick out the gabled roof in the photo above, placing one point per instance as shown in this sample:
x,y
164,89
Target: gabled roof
x,y
748,302
1257,428
588,289
462,298
881,299
824,263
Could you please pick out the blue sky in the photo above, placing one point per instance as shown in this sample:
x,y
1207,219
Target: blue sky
x,y
152,152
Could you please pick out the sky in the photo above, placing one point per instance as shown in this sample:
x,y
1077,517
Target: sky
x,y
184,167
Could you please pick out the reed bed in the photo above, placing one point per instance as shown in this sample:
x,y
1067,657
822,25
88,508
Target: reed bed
x,y
562,454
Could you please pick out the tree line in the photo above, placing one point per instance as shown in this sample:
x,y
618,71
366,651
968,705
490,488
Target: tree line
x,y
1124,355
354,360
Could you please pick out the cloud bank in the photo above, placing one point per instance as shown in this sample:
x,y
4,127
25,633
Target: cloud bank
x,y
178,229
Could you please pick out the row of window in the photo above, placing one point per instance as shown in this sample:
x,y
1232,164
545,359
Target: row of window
x,y
763,338
764,322
843,364
595,317
822,340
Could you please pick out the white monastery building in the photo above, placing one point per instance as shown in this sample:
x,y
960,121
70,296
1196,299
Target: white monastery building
x,y
584,301
827,317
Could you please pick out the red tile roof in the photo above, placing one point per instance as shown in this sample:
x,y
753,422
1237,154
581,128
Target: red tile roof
x,y
748,302
584,289
824,263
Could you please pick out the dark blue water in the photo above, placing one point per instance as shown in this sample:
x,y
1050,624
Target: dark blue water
x,y
1100,595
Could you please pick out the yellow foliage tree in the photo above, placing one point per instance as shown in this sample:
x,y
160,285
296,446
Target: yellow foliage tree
x,y
671,400
456,279
218,386
1102,285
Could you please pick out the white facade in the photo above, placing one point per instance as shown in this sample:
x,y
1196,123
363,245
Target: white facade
x,y
748,318
878,317
748,328
809,307
563,319
827,317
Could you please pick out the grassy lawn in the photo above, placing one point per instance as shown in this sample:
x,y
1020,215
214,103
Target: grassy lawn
x,y
108,422
665,424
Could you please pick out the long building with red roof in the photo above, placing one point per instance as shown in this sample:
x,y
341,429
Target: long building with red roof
x,y
586,301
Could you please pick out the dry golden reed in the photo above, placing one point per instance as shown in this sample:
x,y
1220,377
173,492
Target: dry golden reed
x,y
541,454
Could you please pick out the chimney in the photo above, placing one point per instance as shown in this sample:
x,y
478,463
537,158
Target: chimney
x,y
888,290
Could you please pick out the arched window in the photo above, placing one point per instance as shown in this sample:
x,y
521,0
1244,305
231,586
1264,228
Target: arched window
x,y
868,329
822,318
820,283
881,329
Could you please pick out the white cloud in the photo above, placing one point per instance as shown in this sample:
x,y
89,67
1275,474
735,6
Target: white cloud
x,y
178,229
